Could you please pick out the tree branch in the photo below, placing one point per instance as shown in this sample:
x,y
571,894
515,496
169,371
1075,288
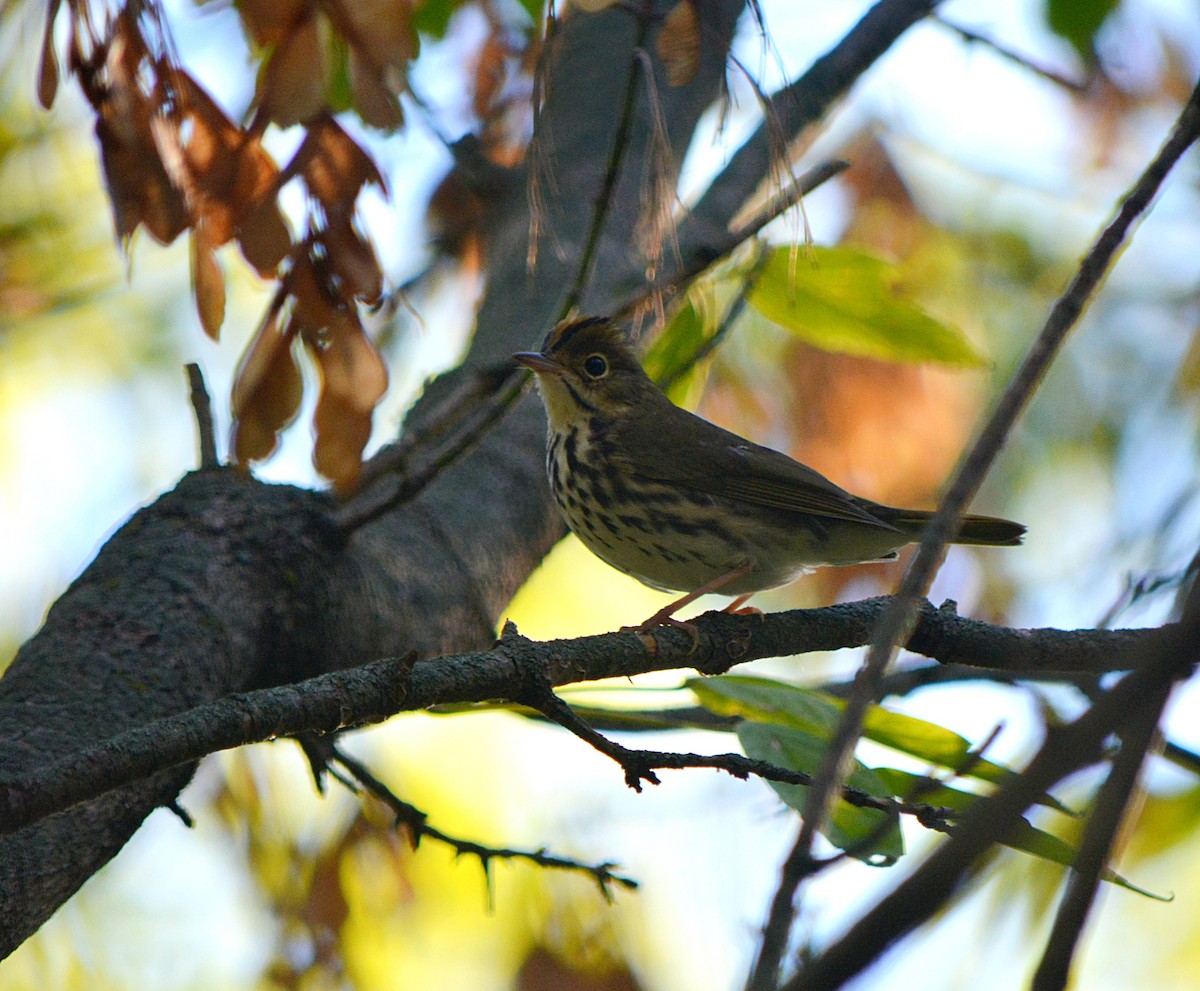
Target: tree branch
x,y
1095,848
1065,750
370,693
897,620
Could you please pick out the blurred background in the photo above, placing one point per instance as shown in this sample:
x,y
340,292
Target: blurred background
x,y
983,179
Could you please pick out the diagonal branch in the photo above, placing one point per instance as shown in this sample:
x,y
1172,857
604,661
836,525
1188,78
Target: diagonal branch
x,y
897,620
1065,750
797,106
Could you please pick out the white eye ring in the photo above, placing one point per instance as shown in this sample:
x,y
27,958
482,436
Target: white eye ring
x,y
595,366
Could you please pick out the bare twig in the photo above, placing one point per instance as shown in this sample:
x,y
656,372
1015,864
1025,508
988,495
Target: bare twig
x,y
798,105
202,407
417,824
1024,61
640,765
1065,750
728,241
897,620
394,482
727,321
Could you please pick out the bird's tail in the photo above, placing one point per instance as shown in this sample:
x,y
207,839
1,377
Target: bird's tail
x,y
987,530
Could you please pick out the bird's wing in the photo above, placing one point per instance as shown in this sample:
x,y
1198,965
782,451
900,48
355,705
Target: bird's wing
x,y
710,459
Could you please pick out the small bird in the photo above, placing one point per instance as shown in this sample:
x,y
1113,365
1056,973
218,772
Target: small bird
x,y
683,505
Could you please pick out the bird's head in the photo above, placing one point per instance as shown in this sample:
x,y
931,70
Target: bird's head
x,y
585,366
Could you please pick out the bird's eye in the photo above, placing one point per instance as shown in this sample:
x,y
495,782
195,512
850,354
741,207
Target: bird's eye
x,y
596,366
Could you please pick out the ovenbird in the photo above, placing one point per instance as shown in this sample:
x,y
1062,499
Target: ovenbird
x,y
683,505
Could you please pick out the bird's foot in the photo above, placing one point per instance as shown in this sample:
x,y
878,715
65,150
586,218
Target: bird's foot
x,y
664,618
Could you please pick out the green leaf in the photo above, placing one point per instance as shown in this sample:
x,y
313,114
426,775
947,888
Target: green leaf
x,y
1078,21
339,93
931,743
433,16
672,357
535,9
1025,836
840,299
767,700
868,835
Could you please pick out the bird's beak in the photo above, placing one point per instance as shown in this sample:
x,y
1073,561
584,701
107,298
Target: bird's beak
x,y
538,362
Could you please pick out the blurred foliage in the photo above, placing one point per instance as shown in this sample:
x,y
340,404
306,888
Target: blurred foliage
x,y
843,300
1078,21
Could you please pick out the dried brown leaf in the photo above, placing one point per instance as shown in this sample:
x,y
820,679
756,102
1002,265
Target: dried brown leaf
x,y
382,33
376,104
48,65
264,237
353,380
353,260
208,282
334,167
270,21
316,305
679,43
490,68
292,88
267,389
138,187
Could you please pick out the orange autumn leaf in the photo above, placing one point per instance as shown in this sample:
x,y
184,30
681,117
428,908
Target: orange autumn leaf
x,y
267,388
375,102
264,237
292,86
208,282
334,167
269,21
353,380
353,260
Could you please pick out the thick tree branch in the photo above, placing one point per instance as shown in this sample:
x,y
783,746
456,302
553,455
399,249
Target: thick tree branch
x,y
797,106
370,693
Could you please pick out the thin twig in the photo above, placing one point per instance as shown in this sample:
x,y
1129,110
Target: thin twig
x,y
911,679
417,824
612,171
1066,749
202,407
640,765
435,424
727,321
1009,54
399,488
897,620
778,204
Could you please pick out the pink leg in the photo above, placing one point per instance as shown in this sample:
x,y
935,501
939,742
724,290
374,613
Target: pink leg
x,y
739,608
666,615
